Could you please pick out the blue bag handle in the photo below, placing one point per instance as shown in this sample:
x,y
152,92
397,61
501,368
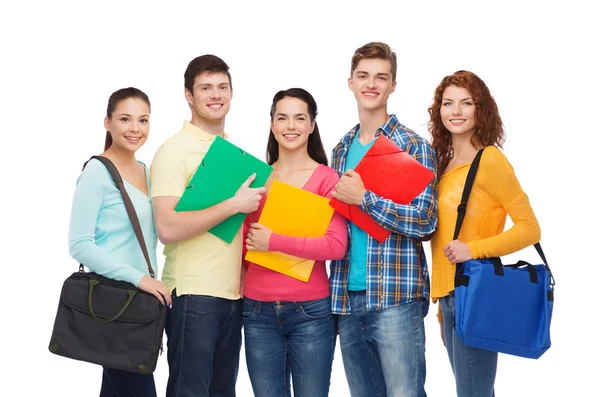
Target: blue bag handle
x,y
462,210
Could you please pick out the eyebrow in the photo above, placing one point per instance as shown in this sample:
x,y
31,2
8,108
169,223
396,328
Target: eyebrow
x,y
376,74
127,114
297,114
210,84
460,100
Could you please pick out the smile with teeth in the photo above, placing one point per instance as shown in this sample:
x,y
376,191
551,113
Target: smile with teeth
x,y
291,136
215,105
370,94
132,139
457,121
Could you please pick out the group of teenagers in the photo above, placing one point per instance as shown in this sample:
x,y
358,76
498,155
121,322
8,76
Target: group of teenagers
x,y
375,295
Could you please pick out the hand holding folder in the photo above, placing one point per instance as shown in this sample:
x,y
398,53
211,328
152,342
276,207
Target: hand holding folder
x,y
390,172
218,177
292,211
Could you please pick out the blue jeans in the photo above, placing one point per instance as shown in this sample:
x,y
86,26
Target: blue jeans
x,y
384,350
118,383
204,337
289,337
474,369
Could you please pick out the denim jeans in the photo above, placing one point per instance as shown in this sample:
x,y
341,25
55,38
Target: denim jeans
x,y
474,369
284,338
204,337
384,350
118,383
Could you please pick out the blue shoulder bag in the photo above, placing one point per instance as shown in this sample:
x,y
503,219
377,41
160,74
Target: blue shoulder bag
x,y
502,308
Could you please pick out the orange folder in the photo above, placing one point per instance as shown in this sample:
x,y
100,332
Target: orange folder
x,y
292,211
390,172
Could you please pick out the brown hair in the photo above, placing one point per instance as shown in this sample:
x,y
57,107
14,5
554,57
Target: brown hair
x,y
114,100
488,124
204,63
375,50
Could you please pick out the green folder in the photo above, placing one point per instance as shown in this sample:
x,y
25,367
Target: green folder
x,y
218,177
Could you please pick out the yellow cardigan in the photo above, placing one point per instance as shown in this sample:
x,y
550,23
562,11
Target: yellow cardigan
x,y
496,192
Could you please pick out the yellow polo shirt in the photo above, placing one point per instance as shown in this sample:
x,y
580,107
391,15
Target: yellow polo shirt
x,y
205,264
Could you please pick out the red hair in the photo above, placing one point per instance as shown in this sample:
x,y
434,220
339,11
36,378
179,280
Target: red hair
x,y
488,124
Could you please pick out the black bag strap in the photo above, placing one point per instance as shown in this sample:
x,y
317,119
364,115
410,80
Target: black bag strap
x,y
462,209
135,222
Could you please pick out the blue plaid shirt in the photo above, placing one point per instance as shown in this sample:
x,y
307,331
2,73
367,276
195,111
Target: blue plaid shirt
x,y
397,268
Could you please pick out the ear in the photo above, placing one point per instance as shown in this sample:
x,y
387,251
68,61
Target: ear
x,y
350,83
393,87
312,126
107,124
189,97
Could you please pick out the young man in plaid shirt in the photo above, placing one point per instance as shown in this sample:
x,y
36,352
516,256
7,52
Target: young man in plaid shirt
x,y
380,291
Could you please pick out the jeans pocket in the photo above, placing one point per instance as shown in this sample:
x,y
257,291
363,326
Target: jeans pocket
x,y
248,310
316,310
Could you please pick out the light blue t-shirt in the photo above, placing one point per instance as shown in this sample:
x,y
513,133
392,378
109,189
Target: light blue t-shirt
x,y
357,279
100,233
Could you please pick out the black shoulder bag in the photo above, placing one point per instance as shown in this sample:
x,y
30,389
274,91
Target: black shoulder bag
x,y
108,322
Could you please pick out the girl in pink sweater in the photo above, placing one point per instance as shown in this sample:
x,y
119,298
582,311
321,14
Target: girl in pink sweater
x,y
288,327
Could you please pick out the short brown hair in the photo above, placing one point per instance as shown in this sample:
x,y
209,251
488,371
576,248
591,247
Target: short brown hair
x,y
204,63
375,50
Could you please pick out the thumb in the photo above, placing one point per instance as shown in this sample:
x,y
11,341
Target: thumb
x,y
249,181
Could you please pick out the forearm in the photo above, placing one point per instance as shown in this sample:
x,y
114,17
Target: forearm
x,y
331,246
416,220
173,226
86,252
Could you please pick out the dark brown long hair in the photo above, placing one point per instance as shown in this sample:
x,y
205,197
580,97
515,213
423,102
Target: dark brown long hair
x,y
114,100
489,130
315,145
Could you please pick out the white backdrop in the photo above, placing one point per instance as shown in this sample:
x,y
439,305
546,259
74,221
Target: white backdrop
x,y
61,61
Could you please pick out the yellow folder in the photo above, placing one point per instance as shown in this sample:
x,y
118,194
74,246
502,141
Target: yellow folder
x,y
292,211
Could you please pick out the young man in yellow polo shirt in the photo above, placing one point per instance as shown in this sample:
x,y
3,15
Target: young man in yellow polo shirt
x,y
201,271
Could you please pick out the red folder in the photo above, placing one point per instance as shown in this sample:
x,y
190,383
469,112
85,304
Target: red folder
x,y
390,172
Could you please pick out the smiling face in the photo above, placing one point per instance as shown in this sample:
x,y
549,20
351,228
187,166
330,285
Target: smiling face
x,y
129,124
458,111
372,83
211,97
291,124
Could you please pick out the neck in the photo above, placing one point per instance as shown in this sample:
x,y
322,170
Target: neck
x,y
461,145
370,121
292,160
121,157
216,127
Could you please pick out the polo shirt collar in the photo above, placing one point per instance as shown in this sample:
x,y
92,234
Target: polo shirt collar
x,y
199,133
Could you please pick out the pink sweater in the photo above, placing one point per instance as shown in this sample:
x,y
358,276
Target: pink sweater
x,y
266,285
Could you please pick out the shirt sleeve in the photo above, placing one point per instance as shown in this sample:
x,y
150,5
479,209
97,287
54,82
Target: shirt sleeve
x,y
331,246
417,219
87,205
168,176
498,178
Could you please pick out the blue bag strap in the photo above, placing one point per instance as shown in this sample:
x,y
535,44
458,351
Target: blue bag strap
x,y
462,210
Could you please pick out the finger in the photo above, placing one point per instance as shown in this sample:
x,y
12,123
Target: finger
x,y
334,193
249,181
159,297
250,247
166,295
350,172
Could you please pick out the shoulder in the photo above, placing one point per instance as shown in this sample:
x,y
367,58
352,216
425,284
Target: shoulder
x,y
327,179
94,169
94,177
409,140
494,160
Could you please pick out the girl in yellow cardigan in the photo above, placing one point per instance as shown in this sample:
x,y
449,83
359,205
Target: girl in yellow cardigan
x,y
464,118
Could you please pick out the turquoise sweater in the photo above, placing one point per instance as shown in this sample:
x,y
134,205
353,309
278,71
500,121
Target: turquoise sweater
x,y
100,233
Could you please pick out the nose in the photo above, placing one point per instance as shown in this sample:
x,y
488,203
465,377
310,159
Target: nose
x,y
135,125
371,83
215,93
291,125
456,109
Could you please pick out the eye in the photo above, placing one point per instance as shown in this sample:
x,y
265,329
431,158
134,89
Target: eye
x,y
204,88
468,103
124,119
225,87
382,78
301,118
144,121
280,118
446,103
362,76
